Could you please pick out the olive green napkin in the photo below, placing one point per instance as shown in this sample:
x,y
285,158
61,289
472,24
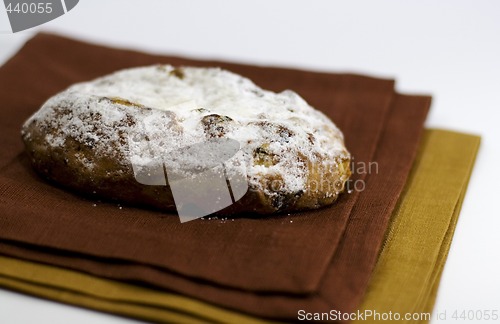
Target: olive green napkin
x,y
405,279
417,242
115,297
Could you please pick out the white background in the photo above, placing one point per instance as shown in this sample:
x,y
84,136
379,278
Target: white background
x,y
450,49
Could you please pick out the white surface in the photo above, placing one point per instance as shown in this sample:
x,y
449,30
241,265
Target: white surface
x,y
450,49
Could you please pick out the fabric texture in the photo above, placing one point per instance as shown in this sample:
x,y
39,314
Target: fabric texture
x,y
84,290
445,161
408,270
267,269
317,260
233,255
268,305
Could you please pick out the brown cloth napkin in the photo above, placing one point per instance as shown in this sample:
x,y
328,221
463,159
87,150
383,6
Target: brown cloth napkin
x,y
345,280
270,254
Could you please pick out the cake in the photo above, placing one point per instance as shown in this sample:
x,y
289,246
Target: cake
x,y
97,137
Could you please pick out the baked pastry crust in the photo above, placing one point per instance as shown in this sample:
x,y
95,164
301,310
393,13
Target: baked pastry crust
x,y
293,156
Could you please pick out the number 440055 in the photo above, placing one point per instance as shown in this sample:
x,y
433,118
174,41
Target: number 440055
x,y
476,315
26,7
